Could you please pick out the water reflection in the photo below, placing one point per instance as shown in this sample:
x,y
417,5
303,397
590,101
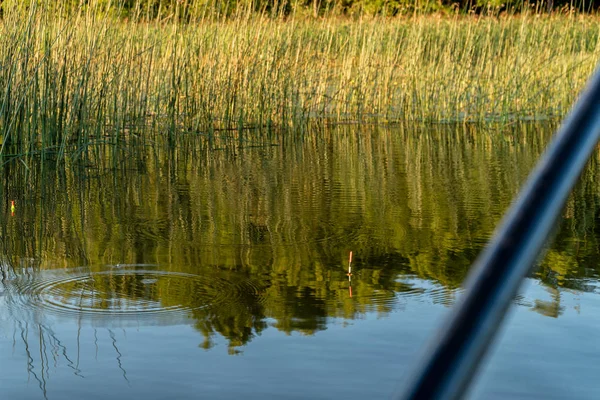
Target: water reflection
x,y
283,218
45,353
235,240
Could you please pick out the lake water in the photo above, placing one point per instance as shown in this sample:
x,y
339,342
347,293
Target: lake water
x,y
217,267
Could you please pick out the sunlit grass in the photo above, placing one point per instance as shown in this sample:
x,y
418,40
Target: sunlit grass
x,y
69,84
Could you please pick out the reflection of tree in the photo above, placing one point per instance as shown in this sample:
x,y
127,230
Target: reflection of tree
x,y
238,320
550,308
419,201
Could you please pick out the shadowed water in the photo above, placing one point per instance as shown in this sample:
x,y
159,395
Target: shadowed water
x,y
217,267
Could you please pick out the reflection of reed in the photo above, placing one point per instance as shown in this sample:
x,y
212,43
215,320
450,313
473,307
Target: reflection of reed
x,y
39,338
50,347
30,362
119,355
412,201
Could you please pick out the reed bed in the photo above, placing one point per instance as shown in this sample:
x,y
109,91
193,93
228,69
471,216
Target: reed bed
x,y
67,84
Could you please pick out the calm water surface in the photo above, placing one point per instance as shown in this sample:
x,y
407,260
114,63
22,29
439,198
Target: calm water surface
x,y
218,268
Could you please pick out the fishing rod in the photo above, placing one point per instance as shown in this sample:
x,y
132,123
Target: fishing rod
x,y
455,352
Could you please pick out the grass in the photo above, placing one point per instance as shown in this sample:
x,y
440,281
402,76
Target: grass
x,y
69,84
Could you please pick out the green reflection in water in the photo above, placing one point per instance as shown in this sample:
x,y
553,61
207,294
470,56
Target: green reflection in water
x,y
248,232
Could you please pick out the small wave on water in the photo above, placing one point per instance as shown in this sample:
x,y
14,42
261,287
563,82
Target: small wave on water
x,y
127,295
427,291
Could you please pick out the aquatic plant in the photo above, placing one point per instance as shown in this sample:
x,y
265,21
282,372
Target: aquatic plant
x,y
71,84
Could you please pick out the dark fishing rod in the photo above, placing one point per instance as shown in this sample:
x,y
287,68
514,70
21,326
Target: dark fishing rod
x,y
454,355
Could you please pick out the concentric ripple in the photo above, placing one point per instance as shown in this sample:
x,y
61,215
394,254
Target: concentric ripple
x,y
154,296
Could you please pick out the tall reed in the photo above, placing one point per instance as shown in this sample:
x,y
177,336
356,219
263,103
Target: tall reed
x,y
69,83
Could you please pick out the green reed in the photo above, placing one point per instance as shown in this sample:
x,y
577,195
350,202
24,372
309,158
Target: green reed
x,y
68,84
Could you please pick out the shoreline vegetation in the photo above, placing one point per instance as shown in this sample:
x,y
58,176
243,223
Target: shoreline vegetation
x,y
69,83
